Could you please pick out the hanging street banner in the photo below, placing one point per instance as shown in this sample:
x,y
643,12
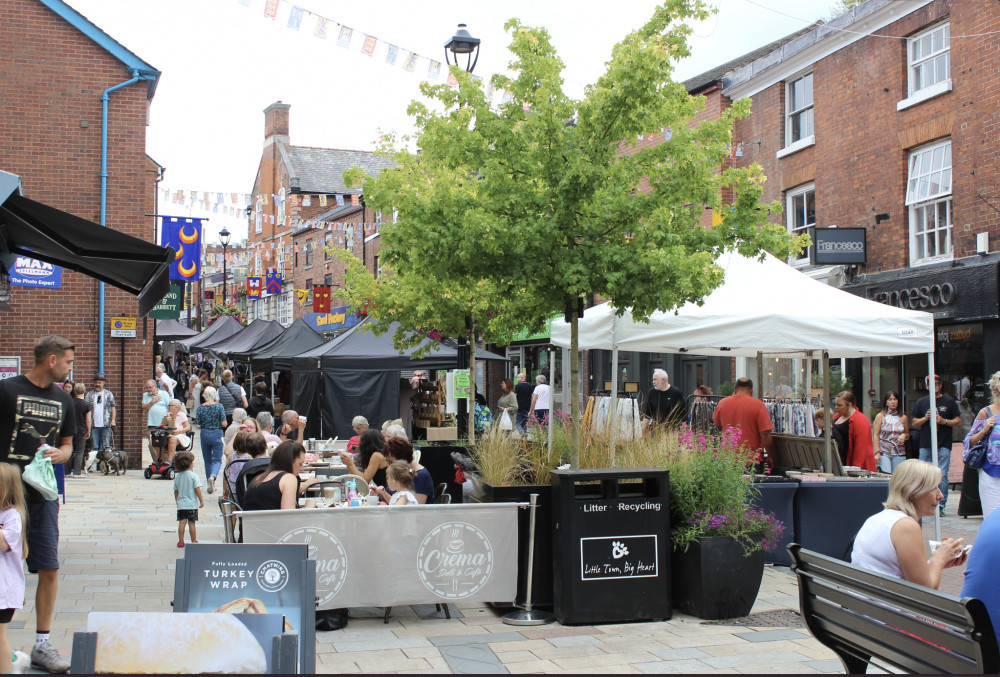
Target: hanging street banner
x,y
184,235
451,553
169,308
253,287
29,272
338,318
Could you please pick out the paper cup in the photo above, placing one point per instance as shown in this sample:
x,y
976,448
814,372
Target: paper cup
x,y
372,500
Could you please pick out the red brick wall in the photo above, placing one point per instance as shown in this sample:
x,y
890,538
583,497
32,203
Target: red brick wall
x,y
859,162
52,78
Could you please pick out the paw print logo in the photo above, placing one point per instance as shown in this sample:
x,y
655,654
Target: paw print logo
x,y
618,550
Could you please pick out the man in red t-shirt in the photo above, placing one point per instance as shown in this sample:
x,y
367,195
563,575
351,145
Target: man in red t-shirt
x,y
743,411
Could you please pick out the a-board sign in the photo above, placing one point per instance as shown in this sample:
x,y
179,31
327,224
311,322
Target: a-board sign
x,y
463,384
249,578
122,327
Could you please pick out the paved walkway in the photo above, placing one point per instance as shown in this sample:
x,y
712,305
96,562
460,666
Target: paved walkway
x,y
119,545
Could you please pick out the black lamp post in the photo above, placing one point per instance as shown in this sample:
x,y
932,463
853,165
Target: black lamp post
x,y
224,240
463,43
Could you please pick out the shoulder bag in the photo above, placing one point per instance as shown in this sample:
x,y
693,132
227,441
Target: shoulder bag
x,y
975,454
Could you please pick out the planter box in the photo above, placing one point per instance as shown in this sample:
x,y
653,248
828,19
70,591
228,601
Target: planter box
x,y
542,594
714,579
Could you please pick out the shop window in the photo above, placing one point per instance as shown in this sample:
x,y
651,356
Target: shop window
x,y
801,216
928,197
799,110
309,254
929,58
328,279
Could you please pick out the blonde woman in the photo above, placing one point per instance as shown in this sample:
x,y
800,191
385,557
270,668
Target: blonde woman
x,y
892,542
983,426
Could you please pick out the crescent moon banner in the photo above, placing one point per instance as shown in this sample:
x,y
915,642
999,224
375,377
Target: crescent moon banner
x,y
184,234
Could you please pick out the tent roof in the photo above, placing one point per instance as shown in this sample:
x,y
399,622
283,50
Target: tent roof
x,y
172,330
223,327
362,350
297,339
762,306
257,333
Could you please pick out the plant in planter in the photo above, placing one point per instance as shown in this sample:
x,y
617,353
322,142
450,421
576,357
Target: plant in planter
x,y
718,536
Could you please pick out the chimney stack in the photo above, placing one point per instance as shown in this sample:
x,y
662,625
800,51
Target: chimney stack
x,y
276,120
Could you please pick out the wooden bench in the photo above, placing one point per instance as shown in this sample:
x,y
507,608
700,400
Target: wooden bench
x,y
862,615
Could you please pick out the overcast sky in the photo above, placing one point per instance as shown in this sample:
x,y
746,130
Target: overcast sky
x,y
224,61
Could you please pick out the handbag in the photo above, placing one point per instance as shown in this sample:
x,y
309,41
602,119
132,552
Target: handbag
x,y
505,422
40,475
975,455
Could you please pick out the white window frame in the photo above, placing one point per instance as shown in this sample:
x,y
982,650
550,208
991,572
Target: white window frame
x,y
929,188
942,54
790,212
791,113
286,309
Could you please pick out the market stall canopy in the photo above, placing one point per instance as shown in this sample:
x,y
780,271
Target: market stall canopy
x,y
224,327
29,228
172,330
257,333
763,306
297,339
361,350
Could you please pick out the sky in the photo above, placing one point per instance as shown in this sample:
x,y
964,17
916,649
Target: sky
x,y
224,61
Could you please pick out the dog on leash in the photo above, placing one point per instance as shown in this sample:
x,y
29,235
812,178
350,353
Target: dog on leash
x,y
111,459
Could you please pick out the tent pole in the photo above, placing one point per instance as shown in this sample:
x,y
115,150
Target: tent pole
x,y
760,373
827,416
932,407
552,401
614,373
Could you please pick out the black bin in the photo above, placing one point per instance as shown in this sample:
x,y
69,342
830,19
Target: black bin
x,y
611,556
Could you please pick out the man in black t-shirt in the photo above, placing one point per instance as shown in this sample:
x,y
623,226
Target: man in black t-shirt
x,y
33,411
523,391
948,416
664,403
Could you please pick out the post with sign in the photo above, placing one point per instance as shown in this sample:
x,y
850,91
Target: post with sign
x,y
123,328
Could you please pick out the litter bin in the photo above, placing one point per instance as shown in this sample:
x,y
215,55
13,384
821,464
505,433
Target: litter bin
x,y
611,560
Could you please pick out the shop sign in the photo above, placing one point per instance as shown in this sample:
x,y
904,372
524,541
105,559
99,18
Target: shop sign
x,y
169,308
961,292
338,318
463,384
29,272
839,246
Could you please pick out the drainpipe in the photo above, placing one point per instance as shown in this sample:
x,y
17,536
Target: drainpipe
x,y
104,205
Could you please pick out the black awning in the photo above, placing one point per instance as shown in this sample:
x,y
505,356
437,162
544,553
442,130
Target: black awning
x,y
33,229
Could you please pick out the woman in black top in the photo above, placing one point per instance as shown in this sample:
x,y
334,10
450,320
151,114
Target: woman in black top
x,y
260,401
370,459
278,487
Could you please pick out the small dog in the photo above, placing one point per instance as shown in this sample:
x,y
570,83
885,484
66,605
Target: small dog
x,y
111,459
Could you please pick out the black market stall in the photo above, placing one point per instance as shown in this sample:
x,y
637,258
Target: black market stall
x,y
298,338
172,330
257,333
223,327
357,373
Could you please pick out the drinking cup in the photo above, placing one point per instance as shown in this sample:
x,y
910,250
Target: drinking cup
x,y
330,495
372,500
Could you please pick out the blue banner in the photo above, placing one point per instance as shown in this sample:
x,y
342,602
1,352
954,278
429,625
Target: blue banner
x,y
337,319
29,272
184,235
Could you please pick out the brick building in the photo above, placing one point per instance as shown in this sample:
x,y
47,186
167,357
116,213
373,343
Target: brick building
x,y
300,205
56,65
884,119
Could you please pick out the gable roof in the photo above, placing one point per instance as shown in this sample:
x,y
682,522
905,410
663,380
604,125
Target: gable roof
x,y
716,74
321,170
132,62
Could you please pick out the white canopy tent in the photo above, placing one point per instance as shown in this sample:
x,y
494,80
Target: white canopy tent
x,y
763,307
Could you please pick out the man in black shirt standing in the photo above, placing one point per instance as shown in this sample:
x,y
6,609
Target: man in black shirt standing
x,y
947,416
33,412
523,391
665,403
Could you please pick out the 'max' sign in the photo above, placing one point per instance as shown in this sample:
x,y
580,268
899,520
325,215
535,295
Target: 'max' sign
x,y
29,272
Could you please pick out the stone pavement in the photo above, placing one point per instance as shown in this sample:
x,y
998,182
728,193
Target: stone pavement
x,y
119,544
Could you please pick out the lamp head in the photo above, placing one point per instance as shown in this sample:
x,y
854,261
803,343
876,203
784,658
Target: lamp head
x,y
224,236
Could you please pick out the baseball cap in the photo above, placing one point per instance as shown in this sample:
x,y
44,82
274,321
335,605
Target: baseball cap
x,y
927,379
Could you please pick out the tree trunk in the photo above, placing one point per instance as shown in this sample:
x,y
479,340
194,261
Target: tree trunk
x,y
472,382
574,383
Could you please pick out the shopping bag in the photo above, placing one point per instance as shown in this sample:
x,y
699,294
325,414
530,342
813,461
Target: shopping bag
x,y
40,475
505,422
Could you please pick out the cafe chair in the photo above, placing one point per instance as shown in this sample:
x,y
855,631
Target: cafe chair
x,y
238,464
441,495
227,508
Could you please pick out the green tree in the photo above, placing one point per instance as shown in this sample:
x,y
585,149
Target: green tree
x,y
547,200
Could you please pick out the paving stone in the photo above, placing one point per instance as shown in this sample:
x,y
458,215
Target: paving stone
x,y
430,611
679,654
472,660
558,631
663,667
605,660
573,640
778,669
422,652
829,666
484,638
530,667
372,645
745,660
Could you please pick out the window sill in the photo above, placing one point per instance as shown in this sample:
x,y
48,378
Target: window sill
x,y
797,146
931,261
924,94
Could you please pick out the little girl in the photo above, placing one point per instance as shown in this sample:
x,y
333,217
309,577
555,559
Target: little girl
x,y
187,494
399,479
13,549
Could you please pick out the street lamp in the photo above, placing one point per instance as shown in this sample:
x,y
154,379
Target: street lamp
x,y
224,240
462,43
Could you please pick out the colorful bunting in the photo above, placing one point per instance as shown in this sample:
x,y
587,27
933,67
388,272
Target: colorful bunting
x,y
295,18
344,39
321,28
271,9
368,48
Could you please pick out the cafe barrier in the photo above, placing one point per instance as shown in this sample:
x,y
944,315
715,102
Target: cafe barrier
x,y
428,554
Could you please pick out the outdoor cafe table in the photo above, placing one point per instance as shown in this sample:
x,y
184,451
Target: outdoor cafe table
x,y
395,556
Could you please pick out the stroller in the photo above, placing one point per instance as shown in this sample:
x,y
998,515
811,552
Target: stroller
x,y
158,449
